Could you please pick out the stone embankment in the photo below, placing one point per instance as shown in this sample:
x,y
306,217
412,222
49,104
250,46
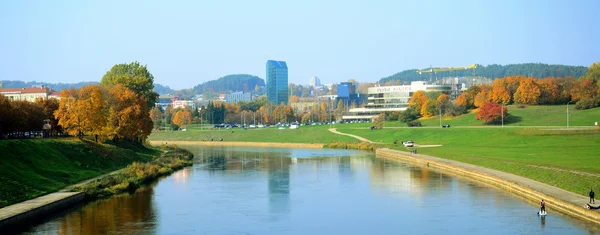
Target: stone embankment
x,y
244,144
557,199
22,213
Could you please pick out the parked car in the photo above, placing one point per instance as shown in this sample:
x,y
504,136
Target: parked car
x,y
409,143
446,126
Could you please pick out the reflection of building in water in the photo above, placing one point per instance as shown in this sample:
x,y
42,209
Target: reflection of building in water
x,y
345,169
116,215
278,169
384,176
182,175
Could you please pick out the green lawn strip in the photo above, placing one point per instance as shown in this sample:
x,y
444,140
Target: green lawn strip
x,y
31,168
305,134
535,115
138,173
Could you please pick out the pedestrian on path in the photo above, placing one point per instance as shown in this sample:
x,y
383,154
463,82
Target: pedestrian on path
x,y
592,196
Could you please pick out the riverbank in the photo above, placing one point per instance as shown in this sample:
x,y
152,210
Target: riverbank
x,y
138,174
21,215
34,167
242,144
557,199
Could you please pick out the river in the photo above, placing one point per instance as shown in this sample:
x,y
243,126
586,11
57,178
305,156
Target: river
x,y
242,190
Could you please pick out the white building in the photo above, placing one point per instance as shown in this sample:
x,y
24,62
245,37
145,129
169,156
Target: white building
x,y
391,98
183,104
238,96
29,94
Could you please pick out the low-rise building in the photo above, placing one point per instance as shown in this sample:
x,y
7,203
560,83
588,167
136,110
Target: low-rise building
x,y
235,97
391,98
29,93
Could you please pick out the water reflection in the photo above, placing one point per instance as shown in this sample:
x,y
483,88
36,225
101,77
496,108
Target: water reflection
x,y
289,191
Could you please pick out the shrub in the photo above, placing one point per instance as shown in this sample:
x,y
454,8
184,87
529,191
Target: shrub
x,y
586,103
414,123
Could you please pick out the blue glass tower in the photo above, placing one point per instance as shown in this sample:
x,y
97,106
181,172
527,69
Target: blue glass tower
x,y
277,82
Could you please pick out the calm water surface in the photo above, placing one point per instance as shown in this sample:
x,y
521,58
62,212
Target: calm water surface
x,y
235,190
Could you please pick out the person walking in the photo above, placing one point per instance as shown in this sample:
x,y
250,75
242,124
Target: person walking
x,y
592,196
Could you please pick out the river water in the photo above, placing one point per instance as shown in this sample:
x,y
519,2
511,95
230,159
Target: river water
x,y
241,190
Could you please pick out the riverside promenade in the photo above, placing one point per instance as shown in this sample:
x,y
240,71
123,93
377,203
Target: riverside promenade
x,y
556,199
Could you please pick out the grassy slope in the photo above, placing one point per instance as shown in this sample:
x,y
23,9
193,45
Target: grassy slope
x,y
305,134
555,115
32,168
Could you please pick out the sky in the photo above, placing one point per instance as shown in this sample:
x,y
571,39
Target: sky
x,y
185,43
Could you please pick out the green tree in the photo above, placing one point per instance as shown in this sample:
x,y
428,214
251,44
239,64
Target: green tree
x,y
136,78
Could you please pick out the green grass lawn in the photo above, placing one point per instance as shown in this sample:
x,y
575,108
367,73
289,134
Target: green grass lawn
x,y
537,115
31,168
305,134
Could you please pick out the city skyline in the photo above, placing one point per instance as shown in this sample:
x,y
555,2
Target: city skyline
x,y
188,43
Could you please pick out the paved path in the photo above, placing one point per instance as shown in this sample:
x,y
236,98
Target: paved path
x,y
333,130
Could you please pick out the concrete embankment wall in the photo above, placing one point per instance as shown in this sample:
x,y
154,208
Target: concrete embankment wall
x,y
21,214
557,199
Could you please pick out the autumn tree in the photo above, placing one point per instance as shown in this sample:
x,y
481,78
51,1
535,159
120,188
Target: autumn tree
x,y
418,99
7,116
339,110
429,108
66,114
481,98
528,92
182,118
491,113
90,110
156,115
135,77
294,99
549,91
500,93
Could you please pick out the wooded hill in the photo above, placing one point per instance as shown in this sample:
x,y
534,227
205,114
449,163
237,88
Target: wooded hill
x,y
493,71
234,82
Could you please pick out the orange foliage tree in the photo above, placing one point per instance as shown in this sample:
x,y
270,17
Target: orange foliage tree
x,y
500,93
182,118
491,113
528,92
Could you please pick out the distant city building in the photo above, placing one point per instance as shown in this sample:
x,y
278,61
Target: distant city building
x,y
277,82
164,101
238,96
345,89
221,97
315,82
184,104
391,98
29,93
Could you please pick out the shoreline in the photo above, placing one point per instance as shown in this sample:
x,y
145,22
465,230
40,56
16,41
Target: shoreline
x,y
243,144
557,199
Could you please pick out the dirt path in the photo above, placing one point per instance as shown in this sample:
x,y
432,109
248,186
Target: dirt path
x,y
333,130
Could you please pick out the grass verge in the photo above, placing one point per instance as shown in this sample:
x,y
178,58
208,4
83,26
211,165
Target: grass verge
x,y
31,168
138,173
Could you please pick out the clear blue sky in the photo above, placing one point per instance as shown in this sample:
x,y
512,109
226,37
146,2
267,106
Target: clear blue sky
x,y
185,43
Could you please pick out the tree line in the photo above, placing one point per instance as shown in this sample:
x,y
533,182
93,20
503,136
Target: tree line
x,y
490,100
535,70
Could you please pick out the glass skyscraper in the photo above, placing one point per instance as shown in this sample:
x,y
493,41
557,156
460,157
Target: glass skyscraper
x,y
277,82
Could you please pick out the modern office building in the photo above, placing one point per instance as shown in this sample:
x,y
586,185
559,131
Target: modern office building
x,y
391,98
314,82
277,82
345,89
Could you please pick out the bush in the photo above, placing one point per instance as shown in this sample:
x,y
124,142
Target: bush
x,y
521,106
414,123
586,103
453,110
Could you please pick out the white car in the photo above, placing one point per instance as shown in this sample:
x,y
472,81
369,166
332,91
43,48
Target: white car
x,y
409,144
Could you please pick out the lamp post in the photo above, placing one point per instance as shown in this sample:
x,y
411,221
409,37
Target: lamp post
x,y
568,113
502,111
440,114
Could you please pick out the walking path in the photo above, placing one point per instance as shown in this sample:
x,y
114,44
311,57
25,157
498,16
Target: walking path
x,y
334,130
38,207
